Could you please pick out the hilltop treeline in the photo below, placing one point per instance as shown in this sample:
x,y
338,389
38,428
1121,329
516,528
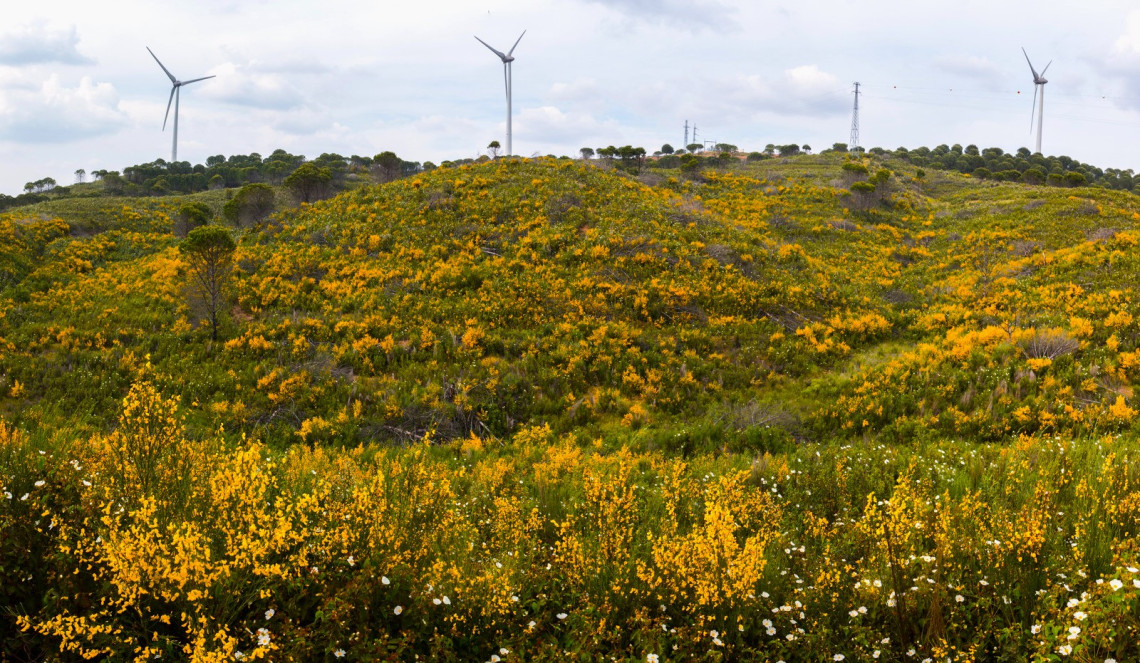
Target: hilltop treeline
x,y
161,177
993,163
335,172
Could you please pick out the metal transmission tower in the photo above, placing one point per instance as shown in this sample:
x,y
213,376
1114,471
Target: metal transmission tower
x,y
683,145
855,121
694,133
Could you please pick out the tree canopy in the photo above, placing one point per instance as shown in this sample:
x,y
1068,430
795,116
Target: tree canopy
x,y
208,252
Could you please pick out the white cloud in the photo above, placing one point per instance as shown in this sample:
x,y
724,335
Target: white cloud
x,y
687,14
39,42
581,91
365,76
802,90
56,113
247,85
1123,60
298,67
969,66
302,122
808,79
1128,44
431,137
549,124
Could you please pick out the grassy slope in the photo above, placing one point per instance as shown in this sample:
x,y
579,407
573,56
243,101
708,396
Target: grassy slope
x,y
476,299
669,335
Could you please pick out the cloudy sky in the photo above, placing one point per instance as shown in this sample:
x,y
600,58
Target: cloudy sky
x,y
78,89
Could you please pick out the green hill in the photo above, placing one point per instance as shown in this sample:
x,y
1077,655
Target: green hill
x,y
792,408
479,298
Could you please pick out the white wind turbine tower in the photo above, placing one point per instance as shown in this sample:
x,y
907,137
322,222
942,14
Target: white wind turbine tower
x,y
1039,82
174,97
507,59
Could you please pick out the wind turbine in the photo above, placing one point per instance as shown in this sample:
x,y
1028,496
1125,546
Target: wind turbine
x,y
1039,82
174,96
507,59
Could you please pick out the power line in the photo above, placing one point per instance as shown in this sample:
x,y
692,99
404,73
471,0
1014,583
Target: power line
x,y
1015,90
998,109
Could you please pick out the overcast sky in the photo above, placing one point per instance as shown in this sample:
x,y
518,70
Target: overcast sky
x,y
78,89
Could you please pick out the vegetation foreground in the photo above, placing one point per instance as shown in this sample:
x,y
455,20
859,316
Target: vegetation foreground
x,y
827,408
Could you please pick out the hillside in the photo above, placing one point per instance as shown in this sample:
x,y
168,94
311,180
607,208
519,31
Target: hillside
x,y
480,298
585,411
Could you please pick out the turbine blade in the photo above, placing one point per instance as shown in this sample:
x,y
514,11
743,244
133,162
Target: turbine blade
x,y
168,102
1033,109
1035,76
195,80
501,55
1046,68
170,75
512,51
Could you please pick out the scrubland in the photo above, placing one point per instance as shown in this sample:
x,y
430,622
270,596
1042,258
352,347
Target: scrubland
x,y
542,410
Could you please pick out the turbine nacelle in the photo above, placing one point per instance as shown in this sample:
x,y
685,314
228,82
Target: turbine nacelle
x,y
1038,79
505,57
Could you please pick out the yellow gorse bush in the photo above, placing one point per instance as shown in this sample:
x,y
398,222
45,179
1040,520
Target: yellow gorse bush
x,y
186,554
536,410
